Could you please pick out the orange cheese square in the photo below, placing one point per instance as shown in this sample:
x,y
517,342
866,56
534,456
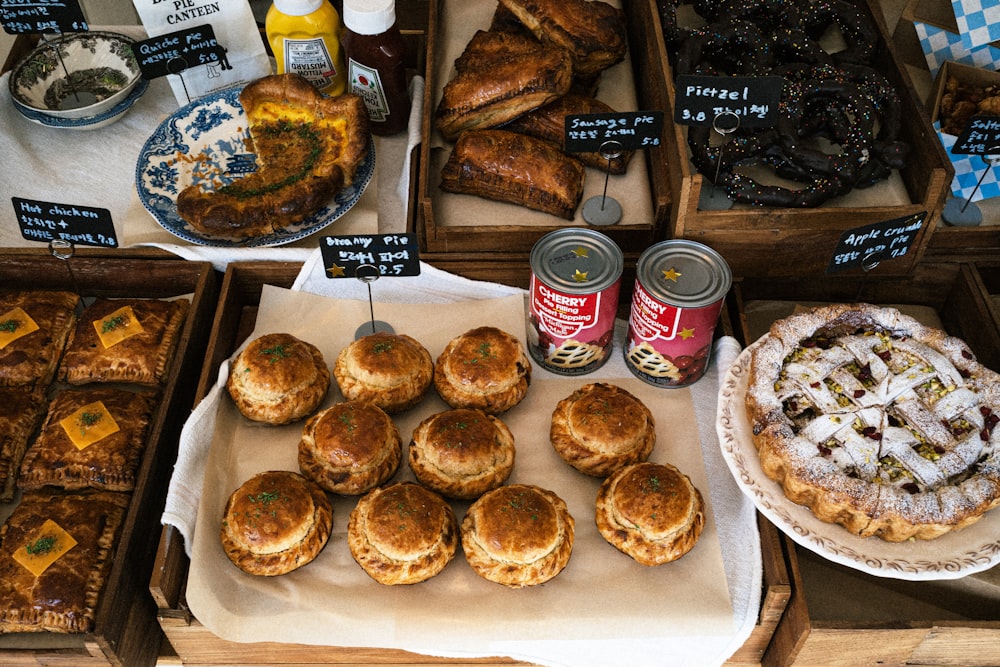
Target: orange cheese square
x,y
89,424
117,326
15,324
45,547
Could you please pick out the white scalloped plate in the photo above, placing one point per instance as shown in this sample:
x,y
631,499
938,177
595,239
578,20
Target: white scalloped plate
x,y
951,556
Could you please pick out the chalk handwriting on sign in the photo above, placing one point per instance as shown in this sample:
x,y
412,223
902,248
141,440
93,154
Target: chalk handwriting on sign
x,y
980,137
634,130
174,52
367,256
698,99
48,221
875,243
30,16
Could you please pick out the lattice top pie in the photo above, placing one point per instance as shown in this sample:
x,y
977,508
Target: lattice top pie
x,y
876,422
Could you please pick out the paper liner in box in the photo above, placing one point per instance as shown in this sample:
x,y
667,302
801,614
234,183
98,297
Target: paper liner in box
x,y
941,46
978,21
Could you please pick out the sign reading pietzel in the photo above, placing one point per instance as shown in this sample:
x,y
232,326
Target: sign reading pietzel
x,y
31,16
370,256
48,221
174,52
876,242
632,129
753,100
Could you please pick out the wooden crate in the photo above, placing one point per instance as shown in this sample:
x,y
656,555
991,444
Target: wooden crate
x,y
191,643
506,229
126,632
771,241
925,622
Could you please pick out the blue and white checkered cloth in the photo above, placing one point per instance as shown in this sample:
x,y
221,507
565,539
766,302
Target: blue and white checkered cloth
x,y
978,21
941,45
968,170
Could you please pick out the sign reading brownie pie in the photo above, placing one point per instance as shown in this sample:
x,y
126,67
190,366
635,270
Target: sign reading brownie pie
x,y
876,422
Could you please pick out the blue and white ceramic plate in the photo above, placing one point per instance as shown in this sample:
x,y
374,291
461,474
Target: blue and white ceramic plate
x,y
88,122
205,143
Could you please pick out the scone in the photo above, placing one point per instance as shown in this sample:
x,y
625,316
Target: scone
x,y
350,448
600,428
484,368
651,512
393,371
278,379
275,522
402,533
518,535
461,453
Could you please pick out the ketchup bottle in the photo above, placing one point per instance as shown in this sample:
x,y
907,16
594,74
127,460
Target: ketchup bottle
x,y
374,50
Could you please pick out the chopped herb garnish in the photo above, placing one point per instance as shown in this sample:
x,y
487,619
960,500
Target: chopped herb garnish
x,y
42,545
276,353
9,326
382,346
116,322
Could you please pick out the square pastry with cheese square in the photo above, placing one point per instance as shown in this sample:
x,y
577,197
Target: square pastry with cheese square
x,y
34,327
124,340
92,438
21,412
56,551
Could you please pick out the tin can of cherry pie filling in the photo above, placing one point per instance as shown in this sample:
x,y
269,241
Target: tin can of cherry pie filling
x,y
573,299
680,286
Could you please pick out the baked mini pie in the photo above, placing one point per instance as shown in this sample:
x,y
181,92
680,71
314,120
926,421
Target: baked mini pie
x,y
461,453
124,340
21,413
34,328
484,368
402,533
92,437
393,371
650,511
600,428
350,448
875,421
56,551
278,379
275,522
518,535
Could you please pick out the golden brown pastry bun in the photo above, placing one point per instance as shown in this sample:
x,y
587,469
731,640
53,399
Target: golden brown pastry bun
x,y
402,533
461,453
393,371
484,368
650,511
275,522
600,428
278,379
518,535
350,448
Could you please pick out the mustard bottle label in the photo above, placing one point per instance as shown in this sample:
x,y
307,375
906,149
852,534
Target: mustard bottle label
x,y
311,59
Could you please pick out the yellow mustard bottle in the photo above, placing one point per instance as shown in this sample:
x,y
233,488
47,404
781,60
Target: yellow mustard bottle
x,y
304,36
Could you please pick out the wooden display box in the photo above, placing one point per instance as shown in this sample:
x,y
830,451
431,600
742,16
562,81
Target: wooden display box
x,y
840,616
126,632
505,232
793,242
192,644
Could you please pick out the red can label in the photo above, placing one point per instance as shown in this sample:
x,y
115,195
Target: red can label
x,y
571,334
666,345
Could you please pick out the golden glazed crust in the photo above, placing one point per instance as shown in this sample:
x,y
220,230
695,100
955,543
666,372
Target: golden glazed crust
x,y
402,533
393,371
485,369
21,412
350,448
110,463
308,148
518,535
278,379
275,522
32,359
651,512
462,453
64,597
876,422
600,428
140,359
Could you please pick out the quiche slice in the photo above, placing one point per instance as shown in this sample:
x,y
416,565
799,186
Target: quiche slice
x,y
308,147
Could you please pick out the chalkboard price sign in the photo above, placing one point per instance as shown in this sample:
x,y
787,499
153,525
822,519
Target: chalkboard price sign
x,y
81,225
633,130
174,52
980,137
698,100
369,256
31,16
875,243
